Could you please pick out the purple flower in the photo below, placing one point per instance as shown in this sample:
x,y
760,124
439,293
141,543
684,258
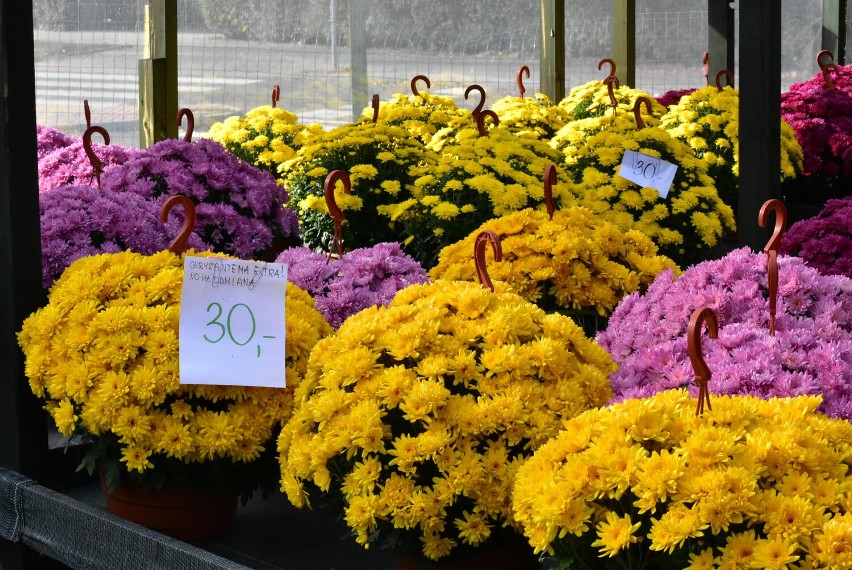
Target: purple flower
x,y
811,352
673,97
70,165
362,278
50,139
824,241
78,221
240,208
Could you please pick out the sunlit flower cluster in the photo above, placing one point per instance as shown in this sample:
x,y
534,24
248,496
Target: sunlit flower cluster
x,y
537,115
576,261
266,137
476,179
708,121
378,158
422,115
49,139
689,220
70,165
104,355
648,484
592,100
417,415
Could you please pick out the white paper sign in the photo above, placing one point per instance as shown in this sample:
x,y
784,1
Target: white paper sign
x,y
232,328
648,171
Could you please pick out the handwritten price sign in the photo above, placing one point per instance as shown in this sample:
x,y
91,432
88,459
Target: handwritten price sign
x,y
648,171
232,328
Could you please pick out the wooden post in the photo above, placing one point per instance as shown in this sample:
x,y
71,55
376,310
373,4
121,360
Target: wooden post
x,y
760,115
552,58
834,28
23,425
358,56
720,37
624,40
158,88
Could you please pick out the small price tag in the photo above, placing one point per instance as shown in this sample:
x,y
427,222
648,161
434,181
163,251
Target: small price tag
x,y
648,171
232,328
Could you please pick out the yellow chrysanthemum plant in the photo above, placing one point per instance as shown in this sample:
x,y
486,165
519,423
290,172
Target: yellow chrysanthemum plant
x,y
595,99
414,418
537,115
648,483
266,136
573,262
690,220
380,160
481,174
104,355
422,113
708,121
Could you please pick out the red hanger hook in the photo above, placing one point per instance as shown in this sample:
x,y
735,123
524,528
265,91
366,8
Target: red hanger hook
x,y
87,113
97,163
705,66
826,75
727,73
375,104
611,66
637,111
771,250
336,214
481,104
414,81
612,83
520,79
482,239
480,121
276,94
702,372
550,180
820,55
178,244
190,123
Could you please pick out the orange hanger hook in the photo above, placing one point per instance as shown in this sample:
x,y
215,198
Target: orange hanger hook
x,y
336,213
727,73
520,79
480,121
178,244
771,250
702,372
375,104
637,111
87,113
190,123
612,83
479,255
705,66
611,67
481,104
820,55
276,94
97,163
550,180
414,81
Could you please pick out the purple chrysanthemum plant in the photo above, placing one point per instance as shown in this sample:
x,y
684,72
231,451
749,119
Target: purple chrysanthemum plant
x,y
49,139
362,278
70,165
79,221
240,208
810,353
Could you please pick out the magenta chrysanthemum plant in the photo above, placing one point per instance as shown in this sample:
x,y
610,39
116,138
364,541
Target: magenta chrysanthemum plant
x,y
824,241
70,165
673,97
362,278
79,221
811,352
820,118
50,139
240,208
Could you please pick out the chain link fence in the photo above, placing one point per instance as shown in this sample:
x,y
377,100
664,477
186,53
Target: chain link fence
x,y
231,53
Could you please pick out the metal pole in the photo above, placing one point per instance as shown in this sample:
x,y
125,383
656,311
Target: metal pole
x,y
552,55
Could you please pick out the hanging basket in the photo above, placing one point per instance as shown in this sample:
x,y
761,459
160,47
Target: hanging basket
x,y
180,512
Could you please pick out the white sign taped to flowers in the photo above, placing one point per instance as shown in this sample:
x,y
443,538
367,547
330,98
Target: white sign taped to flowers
x,y
648,171
232,327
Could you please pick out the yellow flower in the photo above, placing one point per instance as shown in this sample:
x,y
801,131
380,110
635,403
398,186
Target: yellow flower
x,y
64,416
774,554
136,458
615,534
473,528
